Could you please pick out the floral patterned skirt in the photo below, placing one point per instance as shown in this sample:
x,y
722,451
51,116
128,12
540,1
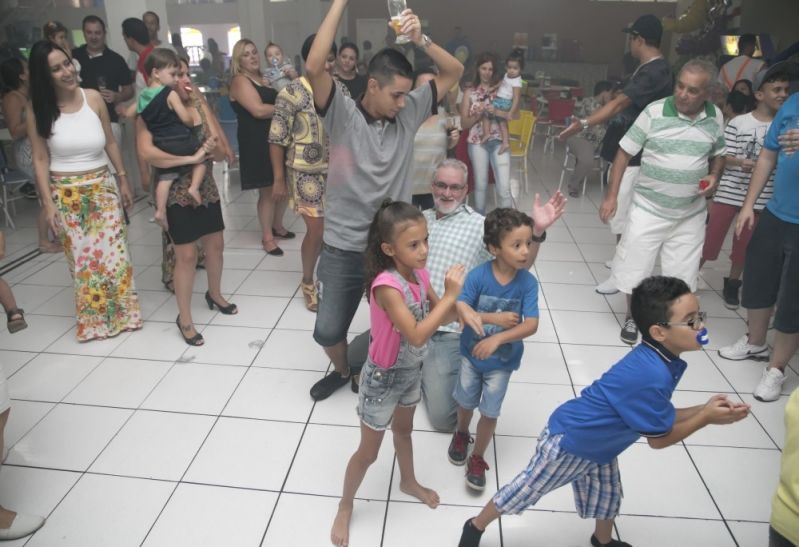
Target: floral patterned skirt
x,y
94,236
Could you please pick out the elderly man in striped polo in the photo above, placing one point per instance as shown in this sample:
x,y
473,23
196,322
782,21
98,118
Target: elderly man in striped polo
x,y
679,136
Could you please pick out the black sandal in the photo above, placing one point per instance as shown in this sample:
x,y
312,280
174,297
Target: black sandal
x,y
230,309
18,324
196,340
286,235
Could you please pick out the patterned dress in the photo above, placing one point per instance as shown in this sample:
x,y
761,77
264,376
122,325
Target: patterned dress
x,y
95,243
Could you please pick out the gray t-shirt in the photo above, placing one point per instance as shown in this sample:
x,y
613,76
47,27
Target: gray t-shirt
x,y
370,160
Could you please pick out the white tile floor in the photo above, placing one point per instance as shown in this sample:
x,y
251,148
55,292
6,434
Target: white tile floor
x,y
141,440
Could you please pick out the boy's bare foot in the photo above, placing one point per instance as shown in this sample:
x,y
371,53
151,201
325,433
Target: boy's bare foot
x,y
340,533
195,194
425,495
503,147
160,219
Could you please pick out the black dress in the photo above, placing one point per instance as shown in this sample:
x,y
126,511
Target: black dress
x,y
253,134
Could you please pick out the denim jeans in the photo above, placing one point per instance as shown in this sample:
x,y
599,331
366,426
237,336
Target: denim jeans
x,y
340,290
481,155
439,375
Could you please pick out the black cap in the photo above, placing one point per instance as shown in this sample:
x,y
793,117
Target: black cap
x,y
647,27
787,68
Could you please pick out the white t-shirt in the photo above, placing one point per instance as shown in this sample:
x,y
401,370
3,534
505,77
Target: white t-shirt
x,y
744,137
739,68
505,90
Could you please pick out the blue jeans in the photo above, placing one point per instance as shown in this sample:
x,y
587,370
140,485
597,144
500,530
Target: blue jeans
x,y
481,155
483,390
439,376
340,290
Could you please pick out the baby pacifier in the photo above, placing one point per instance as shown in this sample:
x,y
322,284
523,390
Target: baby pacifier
x,y
702,337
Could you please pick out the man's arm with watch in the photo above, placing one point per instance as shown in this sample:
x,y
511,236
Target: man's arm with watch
x,y
601,115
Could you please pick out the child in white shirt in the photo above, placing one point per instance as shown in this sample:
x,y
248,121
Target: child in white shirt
x,y
507,100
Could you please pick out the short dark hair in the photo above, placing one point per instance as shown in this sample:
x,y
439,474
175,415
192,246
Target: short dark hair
x,y
153,14
136,29
387,64
501,221
746,40
747,83
11,71
92,19
160,58
601,86
652,299
353,47
308,43
517,55
776,77
740,103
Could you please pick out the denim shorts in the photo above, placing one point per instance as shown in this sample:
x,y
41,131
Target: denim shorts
x,y
340,291
383,389
485,390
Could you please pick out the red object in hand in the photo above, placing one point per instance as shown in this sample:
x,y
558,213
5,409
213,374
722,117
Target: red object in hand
x,y
703,184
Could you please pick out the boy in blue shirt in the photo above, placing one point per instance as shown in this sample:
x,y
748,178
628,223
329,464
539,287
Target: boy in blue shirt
x,y
499,308
584,436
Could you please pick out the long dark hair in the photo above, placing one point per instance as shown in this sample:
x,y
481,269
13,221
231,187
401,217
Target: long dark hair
x,y
43,97
11,71
483,58
382,230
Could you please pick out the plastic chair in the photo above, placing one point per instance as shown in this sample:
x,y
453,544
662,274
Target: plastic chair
x,y
601,167
520,134
10,179
560,110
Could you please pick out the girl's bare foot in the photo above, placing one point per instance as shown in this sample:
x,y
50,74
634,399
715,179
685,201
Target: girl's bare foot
x,y
160,219
195,194
425,495
503,148
340,533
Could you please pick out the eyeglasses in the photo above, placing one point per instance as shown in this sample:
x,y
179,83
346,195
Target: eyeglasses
x,y
695,323
443,186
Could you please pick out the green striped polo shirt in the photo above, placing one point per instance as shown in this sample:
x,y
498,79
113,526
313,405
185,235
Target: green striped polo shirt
x,y
676,150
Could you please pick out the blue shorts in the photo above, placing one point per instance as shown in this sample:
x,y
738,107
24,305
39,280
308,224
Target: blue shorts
x,y
485,390
502,104
597,487
382,390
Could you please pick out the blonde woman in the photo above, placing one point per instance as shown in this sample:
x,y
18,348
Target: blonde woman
x,y
254,105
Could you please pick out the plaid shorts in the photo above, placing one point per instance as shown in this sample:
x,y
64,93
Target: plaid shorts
x,y
597,488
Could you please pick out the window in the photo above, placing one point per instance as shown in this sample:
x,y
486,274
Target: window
x,y
193,43
233,36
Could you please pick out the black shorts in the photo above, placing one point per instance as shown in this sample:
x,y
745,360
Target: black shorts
x,y
772,271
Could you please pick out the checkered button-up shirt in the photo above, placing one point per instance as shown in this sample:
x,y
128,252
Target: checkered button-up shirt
x,y
456,238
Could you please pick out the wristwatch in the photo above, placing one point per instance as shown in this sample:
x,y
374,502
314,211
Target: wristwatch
x,y
542,238
426,42
584,123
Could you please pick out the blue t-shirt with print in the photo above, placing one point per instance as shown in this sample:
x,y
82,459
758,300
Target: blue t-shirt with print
x,y
630,400
785,202
485,294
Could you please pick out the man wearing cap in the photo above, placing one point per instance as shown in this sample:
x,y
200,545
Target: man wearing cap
x,y
652,80
678,136
772,258
743,67
744,136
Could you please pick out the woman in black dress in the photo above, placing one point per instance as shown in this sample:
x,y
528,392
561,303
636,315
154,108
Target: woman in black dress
x,y
254,104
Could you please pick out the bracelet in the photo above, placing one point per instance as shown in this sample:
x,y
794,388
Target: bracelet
x,y
122,173
541,239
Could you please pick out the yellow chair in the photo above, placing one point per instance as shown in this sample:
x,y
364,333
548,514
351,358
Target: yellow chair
x,y
520,134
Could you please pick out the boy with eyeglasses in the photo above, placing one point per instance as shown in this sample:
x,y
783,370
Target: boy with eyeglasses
x,y
584,436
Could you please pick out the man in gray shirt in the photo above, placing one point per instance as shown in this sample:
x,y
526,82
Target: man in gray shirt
x,y
371,149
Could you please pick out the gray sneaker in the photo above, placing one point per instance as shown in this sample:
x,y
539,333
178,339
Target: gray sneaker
x,y
629,332
770,386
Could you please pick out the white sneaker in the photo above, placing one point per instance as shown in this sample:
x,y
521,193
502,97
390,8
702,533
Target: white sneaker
x,y
607,287
742,349
770,386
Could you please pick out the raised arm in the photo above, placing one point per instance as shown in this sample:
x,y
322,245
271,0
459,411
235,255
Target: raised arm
x,y
321,81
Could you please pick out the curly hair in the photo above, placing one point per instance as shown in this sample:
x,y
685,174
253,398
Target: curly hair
x,y
651,301
501,221
383,229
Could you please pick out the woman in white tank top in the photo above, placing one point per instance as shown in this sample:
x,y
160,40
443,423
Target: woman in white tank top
x,y
70,133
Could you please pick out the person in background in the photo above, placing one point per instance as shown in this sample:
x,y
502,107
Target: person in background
x,y
742,67
177,43
56,32
363,65
347,70
153,24
745,87
783,531
505,106
217,58
279,70
14,77
737,104
584,146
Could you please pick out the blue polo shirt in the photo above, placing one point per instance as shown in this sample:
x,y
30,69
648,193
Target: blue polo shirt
x,y
785,203
630,400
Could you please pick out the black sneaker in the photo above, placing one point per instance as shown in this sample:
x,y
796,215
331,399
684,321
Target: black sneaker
x,y
328,385
458,448
28,190
476,473
730,293
470,536
611,543
355,382
629,332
